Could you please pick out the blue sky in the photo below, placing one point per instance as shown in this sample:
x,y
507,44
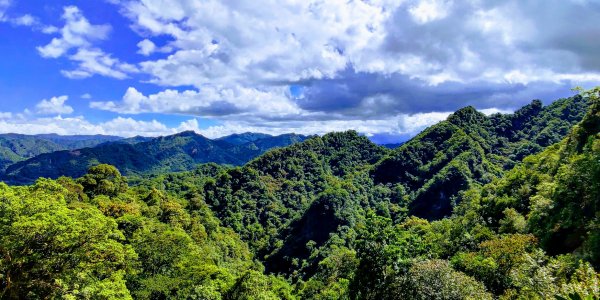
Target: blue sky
x,y
387,68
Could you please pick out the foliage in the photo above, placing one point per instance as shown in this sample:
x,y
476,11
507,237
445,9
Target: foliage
x,y
95,238
470,148
462,211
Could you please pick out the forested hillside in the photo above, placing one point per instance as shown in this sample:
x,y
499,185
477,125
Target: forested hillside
x,y
471,148
95,238
475,207
139,155
18,147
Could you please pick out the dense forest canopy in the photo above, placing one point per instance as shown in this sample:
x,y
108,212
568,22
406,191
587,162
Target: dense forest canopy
x,y
505,206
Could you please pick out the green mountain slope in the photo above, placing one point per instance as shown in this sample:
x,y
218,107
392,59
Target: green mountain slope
x,y
179,152
79,239
471,148
556,193
18,147
79,141
254,144
267,200
243,138
282,183
316,213
295,205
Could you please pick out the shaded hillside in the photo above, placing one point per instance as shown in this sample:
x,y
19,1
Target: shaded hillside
x,y
288,197
471,148
18,147
392,146
243,138
555,193
179,152
78,141
256,143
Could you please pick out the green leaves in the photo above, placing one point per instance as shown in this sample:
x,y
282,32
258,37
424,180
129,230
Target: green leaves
x,y
50,249
103,180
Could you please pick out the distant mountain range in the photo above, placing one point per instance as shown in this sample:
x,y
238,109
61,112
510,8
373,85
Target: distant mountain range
x,y
477,145
19,147
26,158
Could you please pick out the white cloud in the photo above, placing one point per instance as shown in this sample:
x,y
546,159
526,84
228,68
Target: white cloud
x,y
494,110
76,41
146,47
95,61
77,32
381,65
54,105
435,41
412,124
398,125
125,127
219,41
306,123
50,29
354,60
24,20
429,10
86,96
209,101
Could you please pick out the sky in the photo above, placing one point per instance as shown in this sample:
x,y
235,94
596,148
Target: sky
x,y
386,68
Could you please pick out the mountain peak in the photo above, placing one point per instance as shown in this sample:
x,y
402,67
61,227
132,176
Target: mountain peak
x,y
467,116
243,138
187,133
532,108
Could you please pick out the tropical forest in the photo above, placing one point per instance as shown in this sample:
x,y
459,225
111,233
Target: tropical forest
x,y
504,206
291,150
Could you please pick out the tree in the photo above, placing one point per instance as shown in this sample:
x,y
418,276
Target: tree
x,y
103,179
50,250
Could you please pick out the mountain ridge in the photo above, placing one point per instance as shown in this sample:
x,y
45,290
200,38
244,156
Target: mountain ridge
x,y
139,155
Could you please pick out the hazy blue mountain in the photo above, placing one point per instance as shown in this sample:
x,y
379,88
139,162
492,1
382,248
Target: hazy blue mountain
x,y
243,138
140,155
392,145
17,147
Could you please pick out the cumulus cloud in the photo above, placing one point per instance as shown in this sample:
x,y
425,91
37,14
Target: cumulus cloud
x,y
125,127
224,41
77,32
49,29
400,125
54,105
146,47
364,59
431,40
26,124
382,66
76,41
209,101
